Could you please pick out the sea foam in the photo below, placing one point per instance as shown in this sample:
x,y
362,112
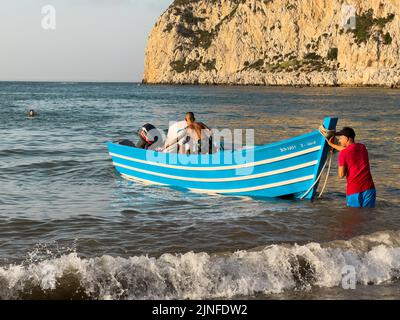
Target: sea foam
x,y
269,270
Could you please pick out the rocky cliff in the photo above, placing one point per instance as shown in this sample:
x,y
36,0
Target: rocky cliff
x,y
276,42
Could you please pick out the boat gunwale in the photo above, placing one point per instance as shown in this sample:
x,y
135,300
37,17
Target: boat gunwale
x,y
255,147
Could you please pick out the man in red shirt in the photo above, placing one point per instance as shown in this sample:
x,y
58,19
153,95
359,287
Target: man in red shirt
x,y
354,164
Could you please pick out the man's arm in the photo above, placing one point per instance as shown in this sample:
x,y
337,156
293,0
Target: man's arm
x,y
180,134
342,168
342,172
333,145
206,127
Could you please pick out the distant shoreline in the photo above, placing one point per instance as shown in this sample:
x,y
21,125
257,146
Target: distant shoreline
x,y
203,84
268,85
69,82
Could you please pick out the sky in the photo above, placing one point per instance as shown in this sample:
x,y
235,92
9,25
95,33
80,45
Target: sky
x,y
93,40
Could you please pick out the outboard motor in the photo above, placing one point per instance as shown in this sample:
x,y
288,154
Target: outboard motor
x,y
148,136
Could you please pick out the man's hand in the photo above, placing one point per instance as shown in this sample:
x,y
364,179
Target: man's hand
x,y
331,141
333,145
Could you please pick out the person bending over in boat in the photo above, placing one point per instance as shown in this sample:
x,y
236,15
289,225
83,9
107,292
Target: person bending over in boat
x,y
195,138
200,136
354,164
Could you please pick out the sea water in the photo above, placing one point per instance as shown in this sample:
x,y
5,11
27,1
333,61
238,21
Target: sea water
x,y
71,227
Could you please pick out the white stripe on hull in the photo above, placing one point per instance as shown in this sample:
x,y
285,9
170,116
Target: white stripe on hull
x,y
239,178
262,187
215,168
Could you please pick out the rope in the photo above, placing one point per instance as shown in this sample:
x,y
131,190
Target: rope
x,y
326,133
319,177
327,174
316,181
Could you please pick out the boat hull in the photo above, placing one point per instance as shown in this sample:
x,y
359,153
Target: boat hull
x,y
281,169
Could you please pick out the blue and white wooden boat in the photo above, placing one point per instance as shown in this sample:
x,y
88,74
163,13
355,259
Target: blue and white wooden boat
x,y
289,168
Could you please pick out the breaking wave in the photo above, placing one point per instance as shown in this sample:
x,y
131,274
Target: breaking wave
x,y
269,270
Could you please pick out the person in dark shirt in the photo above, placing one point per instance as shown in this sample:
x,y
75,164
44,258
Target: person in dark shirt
x,y
354,164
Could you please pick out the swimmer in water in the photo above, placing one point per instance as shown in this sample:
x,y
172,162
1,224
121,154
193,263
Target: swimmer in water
x,y
32,113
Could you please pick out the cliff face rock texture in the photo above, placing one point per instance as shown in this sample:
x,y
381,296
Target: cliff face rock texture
x,y
276,42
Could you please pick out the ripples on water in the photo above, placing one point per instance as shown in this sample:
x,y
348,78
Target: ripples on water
x,y
58,189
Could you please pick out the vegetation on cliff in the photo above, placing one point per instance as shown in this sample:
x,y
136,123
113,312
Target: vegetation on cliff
x,y
221,41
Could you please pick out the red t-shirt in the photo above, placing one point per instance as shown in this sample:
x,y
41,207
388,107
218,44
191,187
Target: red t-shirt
x,y
355,159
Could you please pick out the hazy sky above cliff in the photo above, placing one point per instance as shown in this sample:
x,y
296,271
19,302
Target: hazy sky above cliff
x,y
94,40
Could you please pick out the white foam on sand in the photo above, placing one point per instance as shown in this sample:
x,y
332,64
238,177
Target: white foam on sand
x,y
270,270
